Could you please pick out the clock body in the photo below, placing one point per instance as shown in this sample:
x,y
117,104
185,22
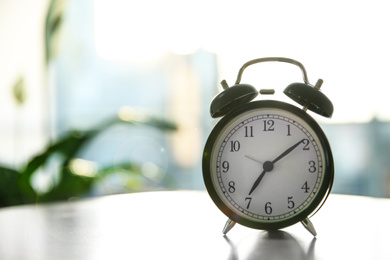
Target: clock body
x,y
267,165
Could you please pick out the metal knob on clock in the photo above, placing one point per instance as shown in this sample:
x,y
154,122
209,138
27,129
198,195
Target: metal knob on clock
x,y
310,97
231,97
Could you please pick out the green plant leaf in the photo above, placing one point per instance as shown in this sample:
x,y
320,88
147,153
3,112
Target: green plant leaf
x,y
70,186
53,27
9,189
19,91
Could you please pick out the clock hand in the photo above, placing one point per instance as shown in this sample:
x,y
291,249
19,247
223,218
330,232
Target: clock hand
x,y
268,165
257,182
287,151
253,159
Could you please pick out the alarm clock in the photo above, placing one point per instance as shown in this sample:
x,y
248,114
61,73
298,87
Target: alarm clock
x,y
268,164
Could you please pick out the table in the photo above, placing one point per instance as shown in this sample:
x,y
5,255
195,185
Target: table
x,y
187,225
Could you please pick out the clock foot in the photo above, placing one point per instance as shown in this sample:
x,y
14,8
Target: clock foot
x,y
228,226
309,226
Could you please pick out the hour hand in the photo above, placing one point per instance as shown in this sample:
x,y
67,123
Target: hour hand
x,y
257,182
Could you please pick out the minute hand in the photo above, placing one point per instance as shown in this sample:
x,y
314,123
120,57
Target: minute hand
x,y
287,151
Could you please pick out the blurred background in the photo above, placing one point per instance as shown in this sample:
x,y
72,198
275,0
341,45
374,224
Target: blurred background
x,y
102,97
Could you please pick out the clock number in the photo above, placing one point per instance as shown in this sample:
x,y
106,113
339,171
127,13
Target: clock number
x,y
249,199
312,167
268,125
225,166
306,142
234,146
249,131
268,208
288,130
305,187
232,187
290,202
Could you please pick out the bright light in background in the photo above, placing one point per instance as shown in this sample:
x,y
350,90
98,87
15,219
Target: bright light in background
x,y
83,167
124,30
144,30
344,43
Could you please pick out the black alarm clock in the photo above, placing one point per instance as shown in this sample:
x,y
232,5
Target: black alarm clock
x,y
267,164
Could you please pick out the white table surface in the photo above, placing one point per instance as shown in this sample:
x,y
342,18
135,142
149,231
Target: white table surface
x,y
187,225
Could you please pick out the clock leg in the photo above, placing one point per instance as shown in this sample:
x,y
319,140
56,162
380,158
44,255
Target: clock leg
x,y
228,226
309,226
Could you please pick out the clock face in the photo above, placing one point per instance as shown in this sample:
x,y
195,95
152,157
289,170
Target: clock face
x,y
267,165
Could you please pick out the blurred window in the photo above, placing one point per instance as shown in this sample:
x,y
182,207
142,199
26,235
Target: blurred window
x,y
165,59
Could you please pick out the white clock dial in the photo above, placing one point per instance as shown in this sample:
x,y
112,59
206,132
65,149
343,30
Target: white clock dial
x,y
251,181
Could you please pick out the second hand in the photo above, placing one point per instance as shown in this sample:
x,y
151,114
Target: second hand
x,y
253,159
